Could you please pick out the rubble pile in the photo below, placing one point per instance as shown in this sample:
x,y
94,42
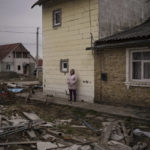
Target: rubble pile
x,y
26,130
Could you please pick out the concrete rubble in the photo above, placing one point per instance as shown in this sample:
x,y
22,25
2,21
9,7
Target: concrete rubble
x,y
30,130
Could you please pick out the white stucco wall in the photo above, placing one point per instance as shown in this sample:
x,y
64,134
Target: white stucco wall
x,y
15,62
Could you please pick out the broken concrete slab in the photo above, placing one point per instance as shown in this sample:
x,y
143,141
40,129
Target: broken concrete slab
x,y
140,146
31,134
49,137
31,116
74,147
114,145
62,122
16,122
77,147
45,145
47,124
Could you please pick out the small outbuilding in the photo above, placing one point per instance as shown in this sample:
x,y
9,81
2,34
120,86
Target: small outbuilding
x,y
122,64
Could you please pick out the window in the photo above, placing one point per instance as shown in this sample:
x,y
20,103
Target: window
x,y
7,67
14,54
57,18
18,55
19,67
64,65
141,65
25,55
138,67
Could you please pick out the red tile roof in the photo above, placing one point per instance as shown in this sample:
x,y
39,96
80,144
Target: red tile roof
x,y
6,49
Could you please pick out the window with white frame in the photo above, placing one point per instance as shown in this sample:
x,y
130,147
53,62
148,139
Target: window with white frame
x,y
140,67
57,17
64,65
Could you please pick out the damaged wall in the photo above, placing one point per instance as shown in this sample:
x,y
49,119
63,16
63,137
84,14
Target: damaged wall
x,y
119,15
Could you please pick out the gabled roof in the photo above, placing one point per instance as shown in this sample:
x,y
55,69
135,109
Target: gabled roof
x,y
6,49
140,32
40,2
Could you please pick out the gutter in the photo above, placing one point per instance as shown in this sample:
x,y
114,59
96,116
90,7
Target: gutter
x,y
120,45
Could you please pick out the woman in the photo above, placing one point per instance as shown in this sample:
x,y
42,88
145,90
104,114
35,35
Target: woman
x,y
72,84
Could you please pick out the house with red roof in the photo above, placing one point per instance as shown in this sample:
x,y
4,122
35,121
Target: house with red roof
x,y
16,58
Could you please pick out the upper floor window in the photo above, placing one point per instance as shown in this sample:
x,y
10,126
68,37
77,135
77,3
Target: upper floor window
x,y
57,17
18,55
25,55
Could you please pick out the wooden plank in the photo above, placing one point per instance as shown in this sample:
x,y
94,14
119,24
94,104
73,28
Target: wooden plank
x,y
19,143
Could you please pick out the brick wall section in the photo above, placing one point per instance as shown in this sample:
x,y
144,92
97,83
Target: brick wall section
x,y
114,90
69,42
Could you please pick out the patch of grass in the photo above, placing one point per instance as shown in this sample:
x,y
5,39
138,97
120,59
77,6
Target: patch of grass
x,y
69,130
77,112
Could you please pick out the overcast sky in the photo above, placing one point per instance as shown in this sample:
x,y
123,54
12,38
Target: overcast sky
x,y
18,23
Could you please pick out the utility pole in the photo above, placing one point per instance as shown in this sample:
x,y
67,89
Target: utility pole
x,y
37,51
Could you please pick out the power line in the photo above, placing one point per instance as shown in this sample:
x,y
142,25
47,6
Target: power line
x,y
33,44
5,26
18,32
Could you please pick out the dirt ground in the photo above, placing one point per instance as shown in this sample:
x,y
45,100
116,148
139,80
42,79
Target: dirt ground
x,y
53,113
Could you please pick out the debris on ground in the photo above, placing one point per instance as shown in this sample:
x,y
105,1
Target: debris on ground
x,y
29,126
138,132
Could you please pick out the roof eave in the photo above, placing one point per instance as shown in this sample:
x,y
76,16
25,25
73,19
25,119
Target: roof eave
x,y
39,2
123,44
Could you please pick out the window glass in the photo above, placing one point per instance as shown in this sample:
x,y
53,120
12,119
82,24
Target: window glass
x,y
25,55
57,17
147,70
137,56
19,67
64,66
146,55
136,70
18,55
7,67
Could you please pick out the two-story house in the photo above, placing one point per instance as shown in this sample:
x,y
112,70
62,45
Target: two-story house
x,y
16,58
70,27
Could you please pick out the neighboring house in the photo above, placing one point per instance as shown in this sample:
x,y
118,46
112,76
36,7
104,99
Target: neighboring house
x,y
40,63
16,58
123,61
40,69
69,27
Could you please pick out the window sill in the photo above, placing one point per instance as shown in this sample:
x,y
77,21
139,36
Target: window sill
x,y
137,84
